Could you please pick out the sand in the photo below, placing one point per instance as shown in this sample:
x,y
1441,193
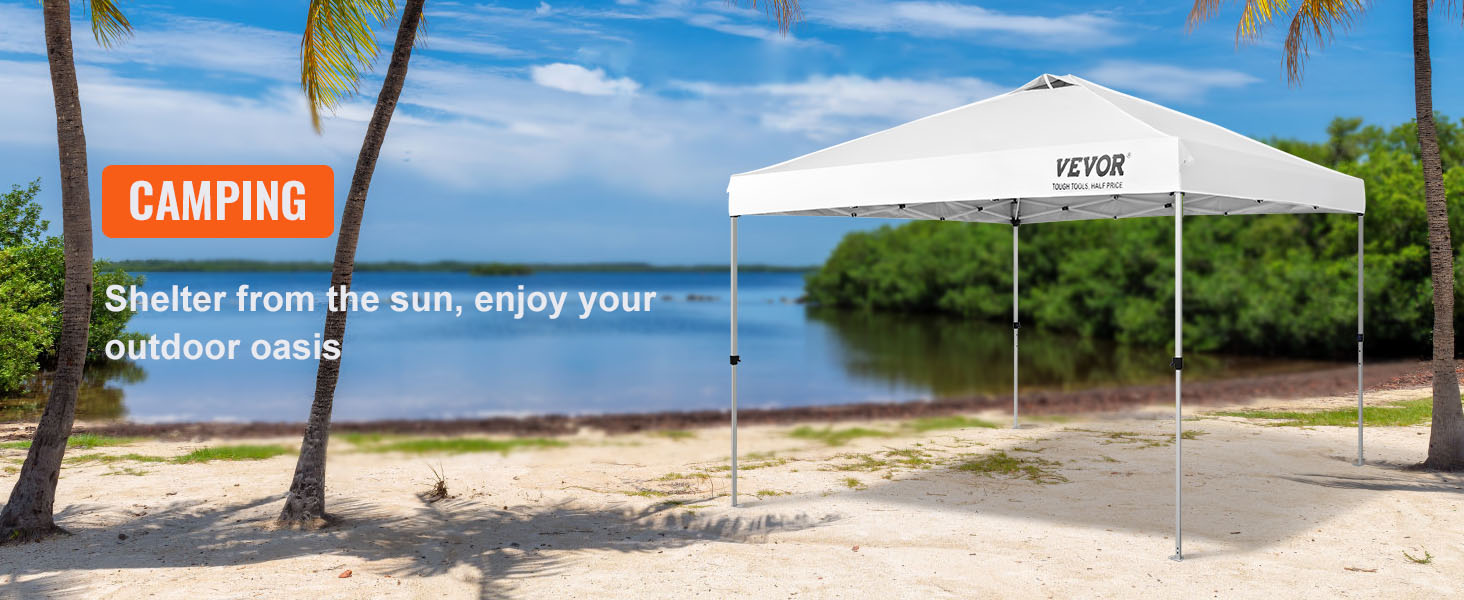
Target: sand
x,y
1269,512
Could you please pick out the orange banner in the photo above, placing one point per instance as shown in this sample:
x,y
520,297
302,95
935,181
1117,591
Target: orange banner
x,y
218,201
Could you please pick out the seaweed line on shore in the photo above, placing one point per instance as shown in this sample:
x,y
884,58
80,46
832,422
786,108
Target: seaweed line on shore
x,y
1326,382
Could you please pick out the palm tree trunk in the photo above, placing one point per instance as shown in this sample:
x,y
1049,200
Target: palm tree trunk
x,y
1446,438
27,514
305,503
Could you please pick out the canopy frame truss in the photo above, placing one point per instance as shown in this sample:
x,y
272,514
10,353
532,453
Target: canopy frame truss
x,y
1049,210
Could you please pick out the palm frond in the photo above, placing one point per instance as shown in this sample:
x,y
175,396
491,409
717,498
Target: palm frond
x,y
339,43
1257,14
1202,11
108,24
786,12
1254,15
1315,21
1448,8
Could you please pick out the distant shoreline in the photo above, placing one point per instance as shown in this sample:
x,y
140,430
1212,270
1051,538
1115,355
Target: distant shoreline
x,y
221,265
1336,381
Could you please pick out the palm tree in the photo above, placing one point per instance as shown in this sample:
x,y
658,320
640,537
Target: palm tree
x,y
1314,21
337,44
28,513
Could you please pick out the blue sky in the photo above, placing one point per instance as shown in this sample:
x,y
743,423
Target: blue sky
x,y
533,131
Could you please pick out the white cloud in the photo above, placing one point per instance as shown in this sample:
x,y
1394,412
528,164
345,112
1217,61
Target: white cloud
x,y
480,129
552,22
722,24
219,47
577,79
825,107
22,30
968,21
1168,82
149,122
473,130
469,45
716,16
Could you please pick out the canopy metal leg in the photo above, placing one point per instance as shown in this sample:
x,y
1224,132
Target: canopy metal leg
x,y
1016,326
1359,341
1178,365
734,360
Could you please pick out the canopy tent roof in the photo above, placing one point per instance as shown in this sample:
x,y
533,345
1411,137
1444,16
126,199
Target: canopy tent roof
x,y
1056,149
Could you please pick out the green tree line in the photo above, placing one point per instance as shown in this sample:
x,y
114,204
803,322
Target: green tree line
x,y
1263,284
31,275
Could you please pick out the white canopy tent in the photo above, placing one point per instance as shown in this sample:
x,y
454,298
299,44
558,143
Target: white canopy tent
x,y
1055,149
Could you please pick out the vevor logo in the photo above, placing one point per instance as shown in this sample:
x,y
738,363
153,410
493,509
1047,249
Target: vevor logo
x,y
1101,165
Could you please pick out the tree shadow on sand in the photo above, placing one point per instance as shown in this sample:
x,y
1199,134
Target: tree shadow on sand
x,y
501,543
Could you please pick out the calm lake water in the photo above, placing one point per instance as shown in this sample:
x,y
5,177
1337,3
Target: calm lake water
x,y
673,357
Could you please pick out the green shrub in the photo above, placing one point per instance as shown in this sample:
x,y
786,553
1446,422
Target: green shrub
x,y
32,270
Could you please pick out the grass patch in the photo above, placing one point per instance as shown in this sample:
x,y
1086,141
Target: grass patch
x,y
438,491
676,434
127,471
234,452
861,462
752,466
1397,414
83,441
1131,437
952,422
363,439
647,493
681,476
1001,463
459,445
853,483
910,457
1418,560
201,455
112,458
835,437
771,493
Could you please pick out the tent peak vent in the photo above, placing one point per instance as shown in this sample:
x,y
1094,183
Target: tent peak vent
x,y
1046,82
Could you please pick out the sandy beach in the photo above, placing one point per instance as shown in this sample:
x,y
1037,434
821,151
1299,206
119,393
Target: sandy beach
x,y
1064,507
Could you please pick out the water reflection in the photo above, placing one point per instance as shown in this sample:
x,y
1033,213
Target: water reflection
x,y
953,357
406,366
100,397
